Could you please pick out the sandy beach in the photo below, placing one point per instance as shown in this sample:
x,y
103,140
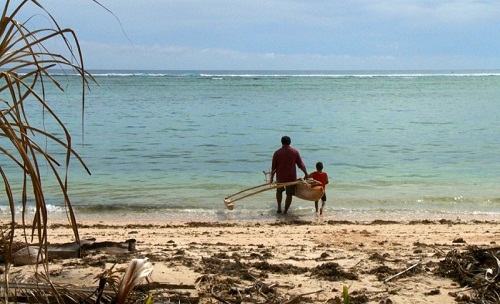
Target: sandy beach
x,y
280,262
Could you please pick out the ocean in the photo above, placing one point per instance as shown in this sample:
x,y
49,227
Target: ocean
x,y
164,146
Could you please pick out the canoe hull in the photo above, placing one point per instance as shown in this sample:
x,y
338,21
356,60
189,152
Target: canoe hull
x,y
309,192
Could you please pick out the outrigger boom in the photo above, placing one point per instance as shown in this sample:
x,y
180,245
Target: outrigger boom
x,y
307,189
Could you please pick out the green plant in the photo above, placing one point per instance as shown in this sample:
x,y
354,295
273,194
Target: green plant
x,y
344,297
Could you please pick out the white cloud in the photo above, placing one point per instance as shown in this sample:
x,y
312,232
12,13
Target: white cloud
x,y
435,12
284,34
102,56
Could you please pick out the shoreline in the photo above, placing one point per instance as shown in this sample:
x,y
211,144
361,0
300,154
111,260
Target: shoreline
x,y
117,222
296,257
254,216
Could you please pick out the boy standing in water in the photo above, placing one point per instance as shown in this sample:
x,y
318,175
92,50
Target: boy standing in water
x,y
321,177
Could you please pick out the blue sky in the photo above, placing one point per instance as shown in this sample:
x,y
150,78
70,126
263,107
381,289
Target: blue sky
x,y
283,34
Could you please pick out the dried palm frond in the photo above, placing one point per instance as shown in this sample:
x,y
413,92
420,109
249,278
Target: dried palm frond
x,y
25,65
25,72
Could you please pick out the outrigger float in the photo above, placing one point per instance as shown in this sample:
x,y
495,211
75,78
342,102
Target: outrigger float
x,y
307,189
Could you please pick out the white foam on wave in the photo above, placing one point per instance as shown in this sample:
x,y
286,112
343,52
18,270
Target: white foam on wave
x,y
32,209
217,75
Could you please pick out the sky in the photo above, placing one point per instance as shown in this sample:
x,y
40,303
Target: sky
x,y
281,34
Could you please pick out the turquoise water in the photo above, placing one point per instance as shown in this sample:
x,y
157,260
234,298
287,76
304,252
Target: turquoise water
x,y
166,146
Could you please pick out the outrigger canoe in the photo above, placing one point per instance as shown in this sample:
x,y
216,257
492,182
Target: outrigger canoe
x,y
306,189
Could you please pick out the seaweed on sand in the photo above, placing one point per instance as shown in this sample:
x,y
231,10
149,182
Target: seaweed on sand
x,y
332,272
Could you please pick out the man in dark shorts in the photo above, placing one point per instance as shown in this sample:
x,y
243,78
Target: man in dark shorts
x,y
284,161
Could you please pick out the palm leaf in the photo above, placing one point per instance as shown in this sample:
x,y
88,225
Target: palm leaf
x,y
25,72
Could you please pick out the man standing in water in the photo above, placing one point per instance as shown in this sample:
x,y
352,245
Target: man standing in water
x,y
284,161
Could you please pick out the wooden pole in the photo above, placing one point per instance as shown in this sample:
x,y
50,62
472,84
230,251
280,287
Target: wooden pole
x,y
229,202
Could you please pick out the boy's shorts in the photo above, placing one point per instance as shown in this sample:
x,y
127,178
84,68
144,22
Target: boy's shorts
x,y
323,198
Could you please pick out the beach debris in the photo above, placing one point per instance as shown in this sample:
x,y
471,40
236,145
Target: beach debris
x,y
18,253
382,271
476,270
137,271
34,254
75,250
228,291
298,298
226,280
332,271
111,247
38,289
403,272
234,273
459,241
28,255
67,250
433,292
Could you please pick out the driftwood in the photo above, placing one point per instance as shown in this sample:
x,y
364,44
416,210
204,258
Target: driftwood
x,y
297,298
33,254
74,250
402,272
67,250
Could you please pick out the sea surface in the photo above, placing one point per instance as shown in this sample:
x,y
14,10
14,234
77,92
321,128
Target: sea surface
x,y
163,146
